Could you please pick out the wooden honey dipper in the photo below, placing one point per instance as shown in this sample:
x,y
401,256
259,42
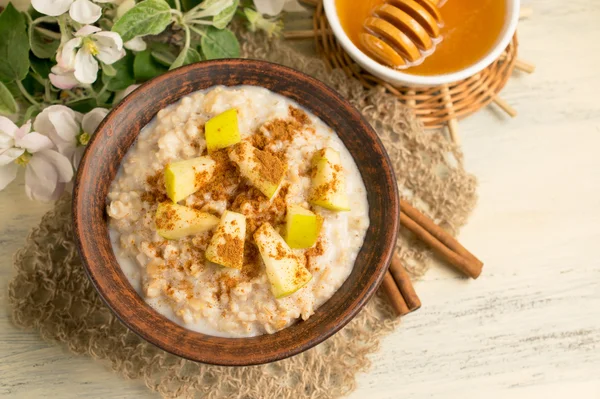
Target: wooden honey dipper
x,y
401,33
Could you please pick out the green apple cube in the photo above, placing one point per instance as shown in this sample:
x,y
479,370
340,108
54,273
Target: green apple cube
x,y
328,185
302,227
226,246
284,270
264,170
184,178
176,221
222,131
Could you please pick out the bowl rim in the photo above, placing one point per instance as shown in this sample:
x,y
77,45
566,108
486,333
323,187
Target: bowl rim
x,y
85,240
394,76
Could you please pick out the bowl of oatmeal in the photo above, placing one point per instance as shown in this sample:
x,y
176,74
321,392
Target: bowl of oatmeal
x,y
235,212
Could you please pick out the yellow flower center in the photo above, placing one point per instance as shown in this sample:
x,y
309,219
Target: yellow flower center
x,y
84,138
23,160
90,46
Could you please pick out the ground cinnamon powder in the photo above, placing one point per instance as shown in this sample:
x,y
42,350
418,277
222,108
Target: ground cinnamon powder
x,y
225,178
157,191
283,130
166,219
232,250
270,167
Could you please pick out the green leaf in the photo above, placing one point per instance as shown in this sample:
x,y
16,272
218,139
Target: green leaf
x,y
8,105
108,70
83,105
187,5
145,67
186,57
30,113
42,46
162,53
150,17
40,66
220,44
14,45
222,19
124,76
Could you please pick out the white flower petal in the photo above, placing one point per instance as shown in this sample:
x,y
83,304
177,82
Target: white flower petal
x,y
65,125
85,12
87,30
76,157
293,6
110,47
65,57
269,7
86,67
46,175
6,141
22,131
42,123
34,142
7,126
41,179
136,44
124,7
9,155
8,174
65,81
51,7
62,165
92,119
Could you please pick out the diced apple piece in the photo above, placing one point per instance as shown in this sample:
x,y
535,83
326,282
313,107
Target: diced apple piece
x,y
222,130
328,186
284,270
264,170
184,178
302,227
226,246
176,221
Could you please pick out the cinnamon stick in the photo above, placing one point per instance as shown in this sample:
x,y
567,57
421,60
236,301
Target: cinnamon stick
x,y
439,240
393,293
402,280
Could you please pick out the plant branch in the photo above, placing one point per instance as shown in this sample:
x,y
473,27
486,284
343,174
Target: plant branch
x,y
200,22
49,33
26,94
42,19
198,31
104,88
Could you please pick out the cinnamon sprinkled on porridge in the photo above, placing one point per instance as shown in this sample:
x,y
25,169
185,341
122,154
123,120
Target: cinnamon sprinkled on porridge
x,y
259,238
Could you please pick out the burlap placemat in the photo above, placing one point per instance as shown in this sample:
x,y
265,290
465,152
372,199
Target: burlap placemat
x,y
52,294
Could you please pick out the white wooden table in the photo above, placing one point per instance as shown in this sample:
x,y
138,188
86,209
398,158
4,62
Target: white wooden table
x,y
528,328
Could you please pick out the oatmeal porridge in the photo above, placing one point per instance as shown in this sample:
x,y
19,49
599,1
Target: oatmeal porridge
x,y
236,212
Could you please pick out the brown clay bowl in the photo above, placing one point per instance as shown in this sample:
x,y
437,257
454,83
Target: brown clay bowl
x,y
120,129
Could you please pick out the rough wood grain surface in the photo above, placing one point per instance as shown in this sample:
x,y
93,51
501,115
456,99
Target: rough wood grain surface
x,y
529,327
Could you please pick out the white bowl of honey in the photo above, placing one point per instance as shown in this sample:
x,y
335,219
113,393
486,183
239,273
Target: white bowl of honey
x,y
470,35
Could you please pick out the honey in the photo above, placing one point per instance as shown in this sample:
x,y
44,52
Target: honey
x,y
471,28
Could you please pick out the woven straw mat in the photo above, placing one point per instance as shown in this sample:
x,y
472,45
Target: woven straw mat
x,y
52,294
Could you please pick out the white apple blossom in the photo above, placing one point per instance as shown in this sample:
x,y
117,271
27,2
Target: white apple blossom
x,y
82,11
62,78
80,55
68,129
135,44
275,7
46,171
